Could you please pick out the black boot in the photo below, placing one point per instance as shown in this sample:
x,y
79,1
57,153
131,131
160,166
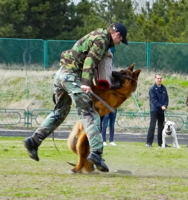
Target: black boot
x,y
32,148
97,160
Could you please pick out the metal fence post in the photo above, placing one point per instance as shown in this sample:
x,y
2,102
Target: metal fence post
x,y
45,61
148,47
27,120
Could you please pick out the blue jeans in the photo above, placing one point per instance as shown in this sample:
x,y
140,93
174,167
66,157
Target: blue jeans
x,y
111,117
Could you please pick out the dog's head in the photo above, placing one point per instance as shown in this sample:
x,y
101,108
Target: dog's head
x,y
127,78
168,127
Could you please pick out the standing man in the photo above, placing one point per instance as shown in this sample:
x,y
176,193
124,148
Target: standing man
x,y
158,97
72,83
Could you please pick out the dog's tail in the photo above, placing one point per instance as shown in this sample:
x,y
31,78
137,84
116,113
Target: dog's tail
x,y
72,164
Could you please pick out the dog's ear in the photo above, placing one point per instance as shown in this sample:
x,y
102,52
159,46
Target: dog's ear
x,y
173,123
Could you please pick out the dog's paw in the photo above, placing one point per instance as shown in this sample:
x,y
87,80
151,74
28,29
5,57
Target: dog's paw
x,y
74,170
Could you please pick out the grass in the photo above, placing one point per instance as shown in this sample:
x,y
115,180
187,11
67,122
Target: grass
x,y
156,173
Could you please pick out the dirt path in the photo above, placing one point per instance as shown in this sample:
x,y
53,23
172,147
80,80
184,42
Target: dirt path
x,y
126,137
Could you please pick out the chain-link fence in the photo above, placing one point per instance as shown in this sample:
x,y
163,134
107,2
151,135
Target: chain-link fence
x,y
46,54
21,52
168,57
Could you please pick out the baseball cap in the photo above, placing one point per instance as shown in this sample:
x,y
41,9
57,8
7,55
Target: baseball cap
x,y
118,27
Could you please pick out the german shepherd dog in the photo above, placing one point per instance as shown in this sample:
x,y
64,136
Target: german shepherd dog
x,y
77,140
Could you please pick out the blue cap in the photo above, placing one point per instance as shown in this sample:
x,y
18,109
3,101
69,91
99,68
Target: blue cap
x,y
118,27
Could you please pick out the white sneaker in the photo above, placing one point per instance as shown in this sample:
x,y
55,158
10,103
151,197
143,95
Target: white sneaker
x,y
104,144
112,143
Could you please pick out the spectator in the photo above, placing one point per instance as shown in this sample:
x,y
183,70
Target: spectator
x,y
110,117
158,97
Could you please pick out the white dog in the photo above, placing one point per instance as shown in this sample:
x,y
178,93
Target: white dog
x,y
170,131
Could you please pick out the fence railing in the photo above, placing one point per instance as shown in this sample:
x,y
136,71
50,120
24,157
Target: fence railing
x,y
140,120
125,121
46,53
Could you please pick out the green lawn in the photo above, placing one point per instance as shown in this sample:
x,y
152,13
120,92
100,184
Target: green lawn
x,y
156,173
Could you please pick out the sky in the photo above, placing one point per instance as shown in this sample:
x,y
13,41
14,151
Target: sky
x,y
140,5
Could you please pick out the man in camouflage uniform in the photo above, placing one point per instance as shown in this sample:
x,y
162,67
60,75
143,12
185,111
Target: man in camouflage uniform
x,y
77,66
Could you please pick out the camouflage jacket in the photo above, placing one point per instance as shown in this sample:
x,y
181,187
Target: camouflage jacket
x,y
86,54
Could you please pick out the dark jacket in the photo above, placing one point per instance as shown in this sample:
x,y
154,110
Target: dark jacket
x,y
158,98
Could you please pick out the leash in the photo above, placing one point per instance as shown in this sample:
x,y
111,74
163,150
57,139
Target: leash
x,y
165,115
54,142
101,100
53,131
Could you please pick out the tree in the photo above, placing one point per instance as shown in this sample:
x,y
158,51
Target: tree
x,y
43,19
165,21
88,18
104,12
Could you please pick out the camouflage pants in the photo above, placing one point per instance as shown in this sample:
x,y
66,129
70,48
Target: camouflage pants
x,y
64,94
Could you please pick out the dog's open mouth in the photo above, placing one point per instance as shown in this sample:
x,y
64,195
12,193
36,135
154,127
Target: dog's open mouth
x,y
168,132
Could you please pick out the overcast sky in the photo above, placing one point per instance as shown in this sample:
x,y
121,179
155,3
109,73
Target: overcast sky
x,y
141,3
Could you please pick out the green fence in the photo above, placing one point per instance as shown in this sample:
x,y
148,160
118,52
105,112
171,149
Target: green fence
x,y
135,52
155,56
55,47
125,121
168,57
21,51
